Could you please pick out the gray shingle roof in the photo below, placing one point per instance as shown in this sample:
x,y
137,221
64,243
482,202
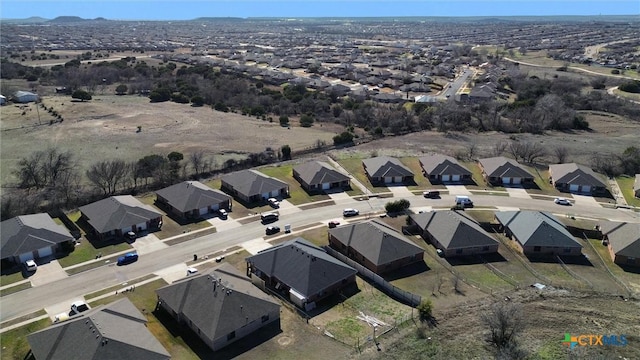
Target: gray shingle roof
x,y
220,308
376,241
503,167
111,332
438,164
251,182
302,266
118,212
384,166
537,228
318,172
453,229
576,174
191,195
27,233
623,237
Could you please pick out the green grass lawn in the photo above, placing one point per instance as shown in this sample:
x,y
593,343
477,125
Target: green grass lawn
x,y
297,194
422,182
481,216
625,183
86,251
171,228
632,280
355,168
476,175
542,180
10,278
14,342
15,288
317,236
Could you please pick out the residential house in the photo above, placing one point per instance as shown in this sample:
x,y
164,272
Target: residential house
x,y
577,178
301,270
503,171
192,199
386,170
636,186
117,215
251,186
375,245
24,97
114,331
29,237
454,233
442,168
387,98
623,241
538,233
220,306
320,176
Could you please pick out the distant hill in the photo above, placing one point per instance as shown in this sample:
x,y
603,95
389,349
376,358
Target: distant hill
x,y
217,19
67,19
31,20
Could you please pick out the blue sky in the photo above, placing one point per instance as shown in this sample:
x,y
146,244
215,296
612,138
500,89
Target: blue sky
x,y
184,10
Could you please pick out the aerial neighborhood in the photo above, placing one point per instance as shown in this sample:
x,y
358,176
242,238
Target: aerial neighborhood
x,y
319,188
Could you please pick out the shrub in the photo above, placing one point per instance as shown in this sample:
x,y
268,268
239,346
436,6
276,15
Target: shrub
x,y
284,120
344,138
306,120
425,310
397,206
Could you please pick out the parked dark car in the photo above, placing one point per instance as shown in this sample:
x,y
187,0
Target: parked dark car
x,y
272,230
431,194
130,236
333,224
127,258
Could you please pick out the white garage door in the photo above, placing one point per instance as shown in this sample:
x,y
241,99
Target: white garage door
x,y
266,195
455,178
126,230
586,188
203,211
275,193
215,207
397,179
388,180
48,251
517,181
506,180
326,186
141,226
26,256
573,187
446,177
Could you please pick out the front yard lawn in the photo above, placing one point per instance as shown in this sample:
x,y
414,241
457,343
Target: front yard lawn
x,y
14,342
85,250
355,168
297,194
625,183
421,182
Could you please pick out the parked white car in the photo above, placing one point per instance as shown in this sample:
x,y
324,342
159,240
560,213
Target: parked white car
x,y
562,201
350,212
31,265
274,202
79,306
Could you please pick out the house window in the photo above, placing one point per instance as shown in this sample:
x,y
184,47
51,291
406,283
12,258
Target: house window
x,y
231,335
458,251
536,248
265,318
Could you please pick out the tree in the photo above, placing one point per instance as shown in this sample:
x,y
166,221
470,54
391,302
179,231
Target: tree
x,y
197,162
306,120
425,310
561,153
397,206
505,322
121,89
107,175
286,152
197,100
284,120
344,138
81,94
175,156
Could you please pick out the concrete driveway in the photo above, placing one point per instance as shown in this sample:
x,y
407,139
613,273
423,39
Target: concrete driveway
x,y
147,244
173,273
47,272
518,193
585,200
458,190
256,245
224,224
401,192
339,196
62,307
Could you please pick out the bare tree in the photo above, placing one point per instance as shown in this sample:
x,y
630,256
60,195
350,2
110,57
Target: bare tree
x,y
197,162
561,153
505,322
499,148
472,150
30,171
107,175
56,164
515,149
533,151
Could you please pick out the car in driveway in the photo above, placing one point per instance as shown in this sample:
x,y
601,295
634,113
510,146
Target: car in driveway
x,y
222,213
128,258
270,230
350,212
31,265
274,202
333,224
79,307
562,201
130,236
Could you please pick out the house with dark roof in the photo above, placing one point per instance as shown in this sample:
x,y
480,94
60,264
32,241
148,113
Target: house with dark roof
x,y
576,178
375,245
623,241
114,331
317,176
29,237
252,186
117,215
220,306
301,270
636,186
454,233
192,199
504,171
440,168
538,233
386,170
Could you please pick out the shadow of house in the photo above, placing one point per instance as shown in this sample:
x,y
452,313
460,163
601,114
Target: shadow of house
x,y
299,271
30,237
113,217
318,176
251,186
444,169
375,245
220,306
114,331
454,233
576,178
384,170
623,242
538,233
191,200
503,171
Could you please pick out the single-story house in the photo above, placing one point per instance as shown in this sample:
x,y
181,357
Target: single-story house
x,y
577,178
375,245
29,237
117,215
301,270
386,170
3,100
504,171
454,233
252,186
114,331
442,168
623,241
319,176
636,186
220,306
537,233
24,97
192,199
